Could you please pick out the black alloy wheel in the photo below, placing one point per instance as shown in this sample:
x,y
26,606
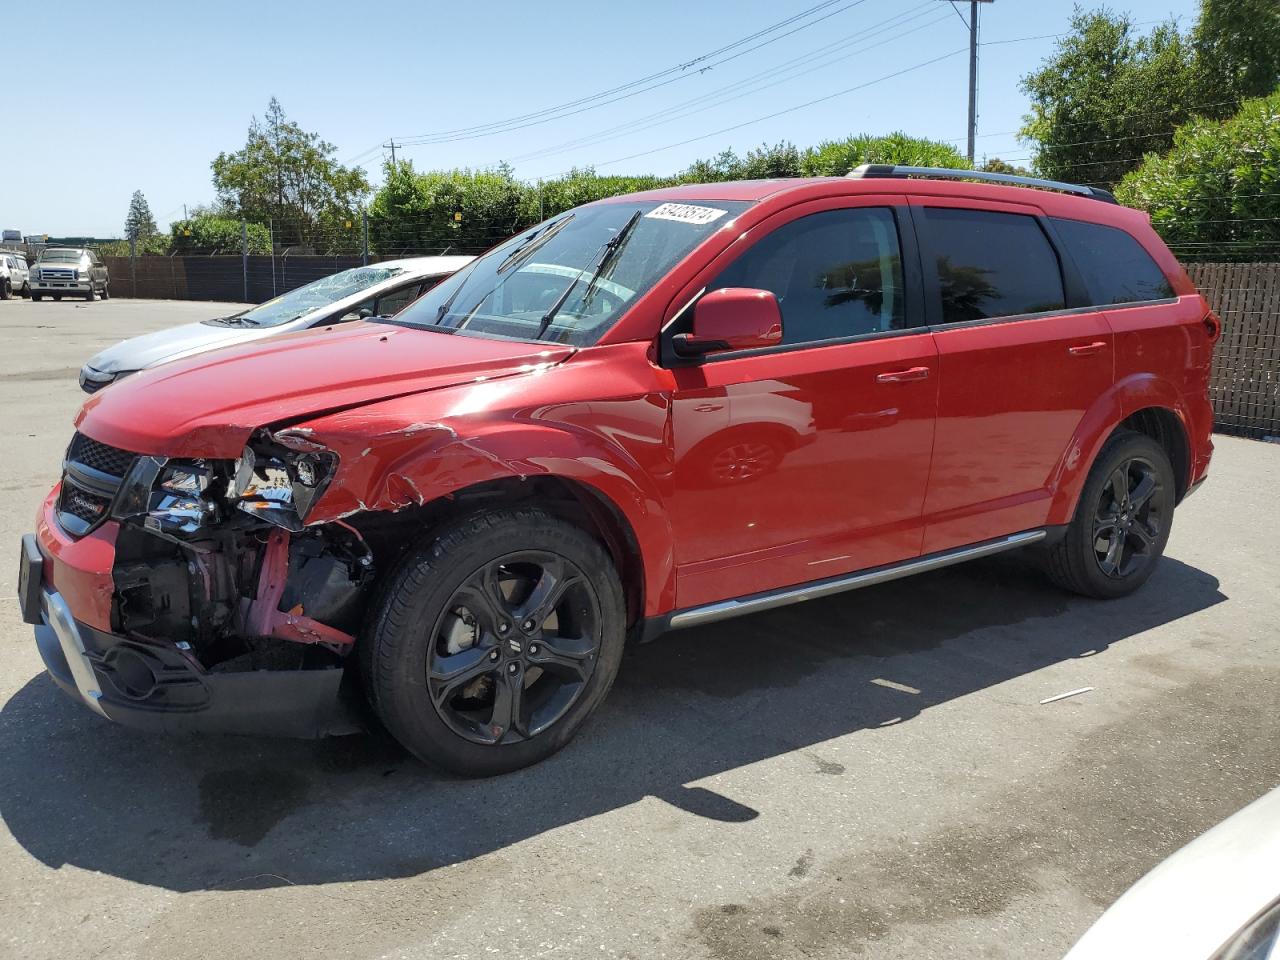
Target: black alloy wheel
x,y
1122,520
1128,520
515,647
492,642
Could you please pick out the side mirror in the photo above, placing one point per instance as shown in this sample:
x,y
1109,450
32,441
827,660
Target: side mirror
x,y
735,318
364,314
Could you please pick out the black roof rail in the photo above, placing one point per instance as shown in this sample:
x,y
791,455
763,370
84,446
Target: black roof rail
x,y
889,170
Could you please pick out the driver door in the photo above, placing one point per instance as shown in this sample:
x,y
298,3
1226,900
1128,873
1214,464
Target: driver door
x,y
810,459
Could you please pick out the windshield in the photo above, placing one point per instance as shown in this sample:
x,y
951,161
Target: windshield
x,y
62,256
569,280
320,293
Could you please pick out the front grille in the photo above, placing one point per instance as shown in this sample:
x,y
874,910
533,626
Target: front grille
x,y
56,273
85,505
99,456
93,386
90,478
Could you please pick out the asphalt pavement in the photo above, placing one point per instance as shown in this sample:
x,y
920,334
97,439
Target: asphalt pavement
x,y
871,775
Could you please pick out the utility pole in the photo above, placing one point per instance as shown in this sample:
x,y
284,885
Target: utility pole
x,y
244,257
973,69
364,223
391,145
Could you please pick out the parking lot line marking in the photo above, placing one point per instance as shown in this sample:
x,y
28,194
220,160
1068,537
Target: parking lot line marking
x,y
902,687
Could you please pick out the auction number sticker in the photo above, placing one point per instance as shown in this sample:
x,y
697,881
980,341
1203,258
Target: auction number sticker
x,y
686,213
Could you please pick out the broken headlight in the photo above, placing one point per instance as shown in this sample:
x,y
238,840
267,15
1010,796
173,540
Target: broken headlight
x,y
172,496
279,483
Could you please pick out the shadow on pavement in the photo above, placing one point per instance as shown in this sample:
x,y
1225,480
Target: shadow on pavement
x,y
200,813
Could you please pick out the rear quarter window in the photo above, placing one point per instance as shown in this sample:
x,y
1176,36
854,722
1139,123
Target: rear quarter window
x,y
1116,268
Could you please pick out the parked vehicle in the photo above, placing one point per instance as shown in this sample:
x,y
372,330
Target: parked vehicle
x,y
381,289
1218,898
11,236
14,275
69,271
478,500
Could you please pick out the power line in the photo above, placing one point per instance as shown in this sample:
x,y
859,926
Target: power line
x,y
752,84
778,113
635,88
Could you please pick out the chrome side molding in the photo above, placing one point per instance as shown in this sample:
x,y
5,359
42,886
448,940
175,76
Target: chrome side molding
x,y
724,609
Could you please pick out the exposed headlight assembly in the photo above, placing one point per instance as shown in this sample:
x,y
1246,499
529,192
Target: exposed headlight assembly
x,y
279,479
276,479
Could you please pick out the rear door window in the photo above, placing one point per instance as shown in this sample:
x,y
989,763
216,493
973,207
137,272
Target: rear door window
x,y
992,264
1116,269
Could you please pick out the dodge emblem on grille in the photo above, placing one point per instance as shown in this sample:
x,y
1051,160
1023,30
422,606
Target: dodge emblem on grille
x,y
84,503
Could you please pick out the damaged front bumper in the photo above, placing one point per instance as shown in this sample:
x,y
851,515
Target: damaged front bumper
x,y
157,688
159,683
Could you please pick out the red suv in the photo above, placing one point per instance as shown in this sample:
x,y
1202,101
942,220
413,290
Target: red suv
x,y
650,412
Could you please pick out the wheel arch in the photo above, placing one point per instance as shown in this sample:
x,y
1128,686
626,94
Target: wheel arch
x,y
1145,403
435,473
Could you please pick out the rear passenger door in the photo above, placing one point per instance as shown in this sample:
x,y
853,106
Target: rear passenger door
x,y
1018,366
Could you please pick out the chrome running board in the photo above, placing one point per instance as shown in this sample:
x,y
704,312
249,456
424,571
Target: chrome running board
x,y
724,609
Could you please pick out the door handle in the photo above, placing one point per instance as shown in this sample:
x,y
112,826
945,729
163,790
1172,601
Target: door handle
x,y
1087,349
903,376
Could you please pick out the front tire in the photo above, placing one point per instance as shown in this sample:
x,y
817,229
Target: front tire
x,y
493,643
6,290
1122,521
36,297
106,291
92,295
26,290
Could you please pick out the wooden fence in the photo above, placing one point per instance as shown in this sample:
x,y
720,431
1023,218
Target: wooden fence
x,y
1245,384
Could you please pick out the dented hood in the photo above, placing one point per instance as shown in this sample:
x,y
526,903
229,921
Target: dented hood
x,y
207,406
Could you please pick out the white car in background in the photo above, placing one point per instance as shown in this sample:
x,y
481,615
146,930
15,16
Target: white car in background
x,y
14,275
379,289
1218,898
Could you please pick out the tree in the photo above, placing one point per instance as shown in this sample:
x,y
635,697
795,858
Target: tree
x,y
1214,194
288,176
1106,97
464,211
1237,48
580,185
835,158
208,233
139,224
761,163
996,165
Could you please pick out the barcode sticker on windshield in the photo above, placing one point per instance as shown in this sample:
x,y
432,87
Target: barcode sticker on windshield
x,y
686,213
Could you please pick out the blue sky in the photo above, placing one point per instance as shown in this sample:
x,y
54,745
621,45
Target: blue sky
x,y
144,95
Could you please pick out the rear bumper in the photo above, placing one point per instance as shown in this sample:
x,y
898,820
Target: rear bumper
x,y
155,685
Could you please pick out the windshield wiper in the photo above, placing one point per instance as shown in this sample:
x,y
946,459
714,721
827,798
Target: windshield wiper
x,y
608,253
534,243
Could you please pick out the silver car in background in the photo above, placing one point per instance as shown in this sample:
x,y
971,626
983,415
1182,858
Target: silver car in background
x,y
379,289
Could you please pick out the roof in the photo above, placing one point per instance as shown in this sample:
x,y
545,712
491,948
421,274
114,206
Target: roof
x,y
792,190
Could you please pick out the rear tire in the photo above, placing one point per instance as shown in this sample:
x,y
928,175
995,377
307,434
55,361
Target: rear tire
x,y
26,290
1122,521
462,663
